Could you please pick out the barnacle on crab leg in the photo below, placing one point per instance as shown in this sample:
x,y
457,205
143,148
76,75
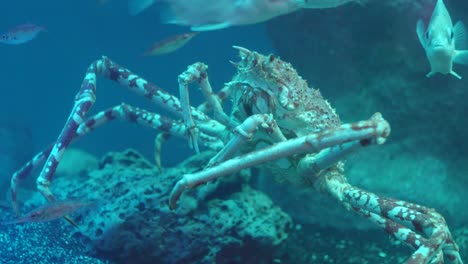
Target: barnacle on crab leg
x,y
374,130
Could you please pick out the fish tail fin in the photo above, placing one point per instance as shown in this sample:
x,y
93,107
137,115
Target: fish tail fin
x,y
7,223
461,57
137,6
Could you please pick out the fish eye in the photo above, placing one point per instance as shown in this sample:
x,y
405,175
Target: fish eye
x,y
34,215
451,34
427,34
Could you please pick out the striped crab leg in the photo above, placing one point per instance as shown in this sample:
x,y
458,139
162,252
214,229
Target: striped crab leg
x,y
245,132
421,228
365,133
86,97
120,112
198,72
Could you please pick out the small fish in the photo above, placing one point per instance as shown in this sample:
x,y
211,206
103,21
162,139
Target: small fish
x,y
50,212
170,44
21,34
442,41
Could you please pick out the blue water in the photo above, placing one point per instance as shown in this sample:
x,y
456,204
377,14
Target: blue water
x,y
43,76
360,69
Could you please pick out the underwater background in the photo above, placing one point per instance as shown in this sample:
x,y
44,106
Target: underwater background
x,y
364,58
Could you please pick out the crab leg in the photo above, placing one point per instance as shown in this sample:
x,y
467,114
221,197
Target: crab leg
x,y
399,219
155,94
220,97
366,132
158,141
86,98
310,167
122,112
197,72
244,132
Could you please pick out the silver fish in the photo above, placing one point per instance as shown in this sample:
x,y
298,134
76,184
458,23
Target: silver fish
x,y
203,15
321,4
21,34
443,41
52,211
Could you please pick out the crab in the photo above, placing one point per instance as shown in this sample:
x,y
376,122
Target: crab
x,y
276,123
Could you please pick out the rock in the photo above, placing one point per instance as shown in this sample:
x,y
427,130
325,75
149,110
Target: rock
x,y
76,162
133,220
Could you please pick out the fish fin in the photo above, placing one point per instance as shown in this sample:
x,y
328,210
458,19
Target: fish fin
x,y
430,74
69,220
323,4
461,57
167,15
208,27
362,2
456,75
461,39
420,31
137,6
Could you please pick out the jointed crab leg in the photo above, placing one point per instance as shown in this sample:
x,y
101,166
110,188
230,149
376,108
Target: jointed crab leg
x,y
220,97
119,112
310,167
374,130
186,110
197,72
158,141
244,132
399,219
85,99
155,94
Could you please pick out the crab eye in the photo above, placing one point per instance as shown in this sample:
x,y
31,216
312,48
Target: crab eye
x,y
427,34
